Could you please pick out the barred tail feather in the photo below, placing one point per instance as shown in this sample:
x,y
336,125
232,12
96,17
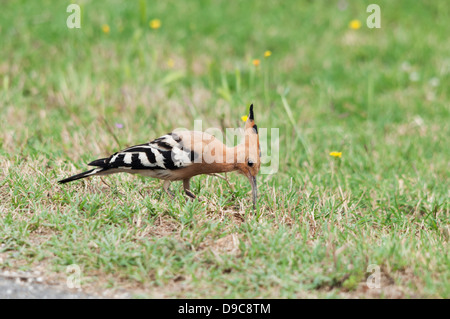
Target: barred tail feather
x,y
100,162
81,175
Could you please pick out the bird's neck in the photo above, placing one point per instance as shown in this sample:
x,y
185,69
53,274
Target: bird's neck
x,y
225,159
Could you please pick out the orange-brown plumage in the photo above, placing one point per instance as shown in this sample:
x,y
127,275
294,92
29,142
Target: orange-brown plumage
x,y
182,155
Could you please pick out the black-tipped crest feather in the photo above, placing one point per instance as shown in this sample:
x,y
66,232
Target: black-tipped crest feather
x,y
250,115
81,175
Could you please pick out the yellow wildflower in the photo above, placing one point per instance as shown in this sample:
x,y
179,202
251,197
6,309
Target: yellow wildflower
x,y
105,28
155,24
244,118
355,24
267,54
336,154
256,62
170,63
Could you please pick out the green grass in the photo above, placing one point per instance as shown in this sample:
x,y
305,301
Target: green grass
x,y
378,95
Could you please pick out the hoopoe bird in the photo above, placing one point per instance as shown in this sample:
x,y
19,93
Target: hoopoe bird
x,y
179,156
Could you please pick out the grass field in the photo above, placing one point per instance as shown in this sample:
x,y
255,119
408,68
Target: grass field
x,y
379,96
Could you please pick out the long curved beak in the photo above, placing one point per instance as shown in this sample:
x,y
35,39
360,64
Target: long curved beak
x,y
252,180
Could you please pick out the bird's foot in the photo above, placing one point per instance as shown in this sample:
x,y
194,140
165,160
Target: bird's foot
x,y
190,194
170,193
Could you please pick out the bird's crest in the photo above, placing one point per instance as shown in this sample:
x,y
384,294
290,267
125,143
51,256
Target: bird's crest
x,y
250,123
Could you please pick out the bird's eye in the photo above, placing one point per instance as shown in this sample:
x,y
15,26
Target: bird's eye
x,y
250,163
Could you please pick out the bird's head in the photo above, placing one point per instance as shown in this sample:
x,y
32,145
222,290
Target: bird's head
x,y
249,153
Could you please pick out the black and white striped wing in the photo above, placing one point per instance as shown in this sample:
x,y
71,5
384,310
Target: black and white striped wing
x,y
164,153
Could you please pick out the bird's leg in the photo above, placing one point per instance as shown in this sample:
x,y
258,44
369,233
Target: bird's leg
x,y
166,189
187,188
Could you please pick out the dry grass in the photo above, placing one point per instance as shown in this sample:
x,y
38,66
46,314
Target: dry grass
x,y
320,221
